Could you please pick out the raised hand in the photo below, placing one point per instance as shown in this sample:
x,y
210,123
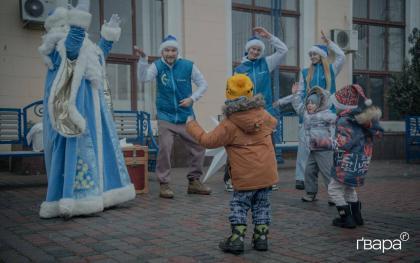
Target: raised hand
x,y
324,38
114,21
262,32
139,52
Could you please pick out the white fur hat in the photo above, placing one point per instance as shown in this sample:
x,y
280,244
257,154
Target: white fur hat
x,y
57,18
169,41
255,41
322,50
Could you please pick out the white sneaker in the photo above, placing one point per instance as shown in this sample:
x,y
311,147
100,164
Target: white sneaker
x,y
228,186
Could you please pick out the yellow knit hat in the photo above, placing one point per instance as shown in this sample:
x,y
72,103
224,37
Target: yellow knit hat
x,y
239,85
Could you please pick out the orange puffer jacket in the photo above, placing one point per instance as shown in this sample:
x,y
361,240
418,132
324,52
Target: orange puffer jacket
x,y
245,133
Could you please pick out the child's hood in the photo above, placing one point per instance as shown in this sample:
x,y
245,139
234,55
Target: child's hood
x,y
324,95
248,114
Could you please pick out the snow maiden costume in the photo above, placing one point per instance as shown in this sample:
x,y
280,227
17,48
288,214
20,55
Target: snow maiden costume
x,y
85,167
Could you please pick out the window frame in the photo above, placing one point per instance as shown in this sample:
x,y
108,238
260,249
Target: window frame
x,y
130,59
254,9
386,73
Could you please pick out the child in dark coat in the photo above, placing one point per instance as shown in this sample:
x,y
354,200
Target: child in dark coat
x,y
355,129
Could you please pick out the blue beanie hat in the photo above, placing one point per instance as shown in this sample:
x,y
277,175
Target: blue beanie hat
x,y
322,50
169,41
255,41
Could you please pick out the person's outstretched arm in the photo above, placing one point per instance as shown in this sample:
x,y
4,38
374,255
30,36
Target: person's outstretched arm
x,y
145,72
110,33
340,57
79,21
218,137
273,61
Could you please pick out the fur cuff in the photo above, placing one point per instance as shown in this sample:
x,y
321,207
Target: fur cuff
x,y
119,195
110,33
368,115
49,210
79,18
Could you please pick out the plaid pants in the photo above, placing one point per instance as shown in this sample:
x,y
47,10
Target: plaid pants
x,y
259,203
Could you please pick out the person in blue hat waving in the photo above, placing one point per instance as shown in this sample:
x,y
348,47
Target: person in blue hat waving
x,y
258,68
174,100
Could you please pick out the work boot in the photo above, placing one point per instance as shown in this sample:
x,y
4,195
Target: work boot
x,y
356,208
235,243
346,219
196,187
259,238
300,185
309,197
165,191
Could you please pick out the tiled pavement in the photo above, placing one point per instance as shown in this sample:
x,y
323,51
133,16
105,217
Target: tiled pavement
x,y
189,227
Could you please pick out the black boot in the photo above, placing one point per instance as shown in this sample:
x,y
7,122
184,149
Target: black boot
x,y
346,219
356,208
259,239
235,243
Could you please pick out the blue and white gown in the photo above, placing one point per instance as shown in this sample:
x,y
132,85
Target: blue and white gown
x,y
84,163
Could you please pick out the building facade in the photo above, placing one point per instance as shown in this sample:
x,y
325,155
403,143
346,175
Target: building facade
x,y
213,35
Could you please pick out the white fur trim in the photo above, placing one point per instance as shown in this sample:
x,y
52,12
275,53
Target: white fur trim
x,y
368,102
255,42
49,42
319,51
87,65
340,106
71,207
58,18
119,195
169,43
111,33
79,18
49,210
369,114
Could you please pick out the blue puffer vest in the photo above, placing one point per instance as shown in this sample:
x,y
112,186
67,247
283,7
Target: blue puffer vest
x,y
259,73
318,78
173,85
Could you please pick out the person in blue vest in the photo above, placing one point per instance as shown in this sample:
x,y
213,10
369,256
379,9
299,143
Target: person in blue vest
x,y
83,160
174,101
322,74
258,68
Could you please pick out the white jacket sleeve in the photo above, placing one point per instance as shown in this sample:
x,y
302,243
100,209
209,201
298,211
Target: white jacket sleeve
x,y
274,59
200,82
146,72
340,57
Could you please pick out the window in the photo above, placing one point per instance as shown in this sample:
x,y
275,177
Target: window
x,y
381,26
144,28
247,14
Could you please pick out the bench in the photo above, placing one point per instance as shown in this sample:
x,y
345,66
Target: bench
x,y
15,124
412,138
286,135
137,128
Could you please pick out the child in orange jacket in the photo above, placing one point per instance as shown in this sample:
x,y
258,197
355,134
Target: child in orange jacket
x,y
245,132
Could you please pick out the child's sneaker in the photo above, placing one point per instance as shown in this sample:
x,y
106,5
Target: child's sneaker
x,y
235,243
309,197
259,238
274,187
